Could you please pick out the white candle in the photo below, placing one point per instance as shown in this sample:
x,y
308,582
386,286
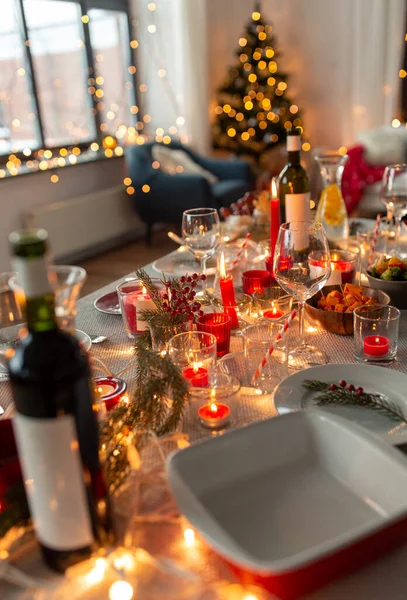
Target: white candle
x,y
143,302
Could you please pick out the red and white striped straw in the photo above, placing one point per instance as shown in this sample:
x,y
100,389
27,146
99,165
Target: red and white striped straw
x,y
374,240
239,254
270,351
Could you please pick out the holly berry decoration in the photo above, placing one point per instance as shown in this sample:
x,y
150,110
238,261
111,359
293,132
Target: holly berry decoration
x,y
243,206
180,299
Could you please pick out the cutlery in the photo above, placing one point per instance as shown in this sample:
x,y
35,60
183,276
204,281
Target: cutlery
x,y
98,339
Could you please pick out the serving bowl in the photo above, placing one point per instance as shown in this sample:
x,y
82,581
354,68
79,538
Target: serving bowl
x,y
397,290
336,322
294,501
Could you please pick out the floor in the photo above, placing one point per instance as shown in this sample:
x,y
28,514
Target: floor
x,y
116,263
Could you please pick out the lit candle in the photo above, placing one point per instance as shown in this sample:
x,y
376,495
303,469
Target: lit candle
x,y
196,375
376,345
273,313
227,292
110,390
274,219
143,302
214,415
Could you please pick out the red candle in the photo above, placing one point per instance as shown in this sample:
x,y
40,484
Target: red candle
x,y
110,390
274,218
219,324
228,293
214,415
376,345
255,280
273,313
197,376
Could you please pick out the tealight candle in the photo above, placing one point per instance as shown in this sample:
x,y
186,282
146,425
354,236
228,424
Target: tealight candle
x,y
273,313
376,345
110,390
214,415
196,375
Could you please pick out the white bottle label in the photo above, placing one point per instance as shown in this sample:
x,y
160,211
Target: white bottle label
x,y
297,207
32,275
293,143
50,460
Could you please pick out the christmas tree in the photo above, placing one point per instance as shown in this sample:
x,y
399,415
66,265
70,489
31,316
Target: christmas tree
x,y
254,109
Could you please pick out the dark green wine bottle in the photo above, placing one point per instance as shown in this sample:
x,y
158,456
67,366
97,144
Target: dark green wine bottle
x,y
55,424
293,183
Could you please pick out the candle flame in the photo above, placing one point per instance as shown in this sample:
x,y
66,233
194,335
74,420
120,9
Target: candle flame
x,y
273,188
189,537
214,407
144,291
274,310
222,268
377,340
196,366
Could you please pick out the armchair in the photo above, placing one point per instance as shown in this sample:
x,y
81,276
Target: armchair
x,y
169,195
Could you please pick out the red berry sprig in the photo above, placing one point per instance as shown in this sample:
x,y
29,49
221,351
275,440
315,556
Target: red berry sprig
x,y
180,298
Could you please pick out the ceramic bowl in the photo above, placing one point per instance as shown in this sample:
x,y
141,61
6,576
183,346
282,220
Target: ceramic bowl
x,y
397,290
335,322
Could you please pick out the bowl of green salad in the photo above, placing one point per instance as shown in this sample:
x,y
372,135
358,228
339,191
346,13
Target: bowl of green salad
x,y
389,274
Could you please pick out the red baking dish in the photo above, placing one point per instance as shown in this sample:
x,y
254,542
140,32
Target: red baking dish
x,y
296,501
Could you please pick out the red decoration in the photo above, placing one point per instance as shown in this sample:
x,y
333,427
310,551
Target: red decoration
x,y
197,376
273,313
274,220
227,291
111,390
255,281
214,415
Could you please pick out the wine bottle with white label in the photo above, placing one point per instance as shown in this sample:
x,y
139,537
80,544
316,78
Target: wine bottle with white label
x,y
294,186
55,424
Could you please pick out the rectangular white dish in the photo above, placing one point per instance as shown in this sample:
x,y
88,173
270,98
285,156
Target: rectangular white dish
x,y
286,500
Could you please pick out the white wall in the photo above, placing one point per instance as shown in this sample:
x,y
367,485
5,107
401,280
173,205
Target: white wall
x,y
21,193
330,49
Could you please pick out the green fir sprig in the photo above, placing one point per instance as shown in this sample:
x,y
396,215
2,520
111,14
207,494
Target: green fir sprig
x,y
342,395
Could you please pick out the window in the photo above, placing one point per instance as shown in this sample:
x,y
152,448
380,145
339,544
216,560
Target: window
x,y
66,75
18,129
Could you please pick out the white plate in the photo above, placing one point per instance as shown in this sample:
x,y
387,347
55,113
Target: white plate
x,y
181,262
290,396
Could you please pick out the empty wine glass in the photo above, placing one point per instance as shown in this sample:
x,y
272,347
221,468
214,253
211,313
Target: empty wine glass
x,y
394,196
201,232
302,266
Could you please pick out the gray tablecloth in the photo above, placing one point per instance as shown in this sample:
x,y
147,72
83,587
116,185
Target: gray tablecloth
x,y
385,579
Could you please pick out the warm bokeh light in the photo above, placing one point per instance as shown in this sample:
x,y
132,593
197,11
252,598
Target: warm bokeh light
x,y
145,188
242,42
54,178
189,537
121,590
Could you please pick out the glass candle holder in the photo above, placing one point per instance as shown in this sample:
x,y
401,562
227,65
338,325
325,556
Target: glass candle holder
x,y
220,325
194,352
255,280
257,339
243,306
272,303
376,330
133,298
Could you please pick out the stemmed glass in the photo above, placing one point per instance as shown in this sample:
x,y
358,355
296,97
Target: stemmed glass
x,y
302,266
394,196
201,232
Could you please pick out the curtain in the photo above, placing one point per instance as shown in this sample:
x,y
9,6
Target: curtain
x,y
172,69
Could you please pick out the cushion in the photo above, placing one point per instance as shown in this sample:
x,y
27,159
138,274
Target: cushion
x,y
178,161
385,145
229,190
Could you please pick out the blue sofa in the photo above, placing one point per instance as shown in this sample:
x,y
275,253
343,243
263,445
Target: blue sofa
x,y
170,195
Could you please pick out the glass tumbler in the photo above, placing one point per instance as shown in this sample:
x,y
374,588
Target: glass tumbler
x,y
220,325
257,339
375,333
273,303
194,352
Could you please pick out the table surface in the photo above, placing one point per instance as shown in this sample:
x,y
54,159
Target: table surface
x,y
383,579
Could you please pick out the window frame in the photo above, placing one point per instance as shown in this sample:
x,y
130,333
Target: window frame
x,y
121,6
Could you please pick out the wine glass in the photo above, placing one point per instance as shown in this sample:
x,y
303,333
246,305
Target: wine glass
x,y
201,232
302,266
394,196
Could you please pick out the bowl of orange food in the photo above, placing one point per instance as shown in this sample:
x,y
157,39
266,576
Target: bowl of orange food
x,y
332,307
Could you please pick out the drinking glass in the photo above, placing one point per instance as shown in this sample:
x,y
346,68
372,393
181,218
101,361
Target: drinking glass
x,y
257,340
376,332
194,352
201,232
300,245
394,196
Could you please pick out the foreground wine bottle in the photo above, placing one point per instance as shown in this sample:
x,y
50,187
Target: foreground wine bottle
x,y
55,425
294,186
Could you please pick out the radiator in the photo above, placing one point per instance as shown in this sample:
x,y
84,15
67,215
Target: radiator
x,y
85,223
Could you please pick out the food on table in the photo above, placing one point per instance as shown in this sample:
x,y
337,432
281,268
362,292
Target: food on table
x,y
346,301
389,269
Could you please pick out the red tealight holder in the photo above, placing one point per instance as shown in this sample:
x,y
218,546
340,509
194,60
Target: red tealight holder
x,y
220,325
214,415
255,281
110,390
376,345
273,313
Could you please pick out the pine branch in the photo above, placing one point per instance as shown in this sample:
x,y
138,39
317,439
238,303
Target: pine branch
x,y
344,396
